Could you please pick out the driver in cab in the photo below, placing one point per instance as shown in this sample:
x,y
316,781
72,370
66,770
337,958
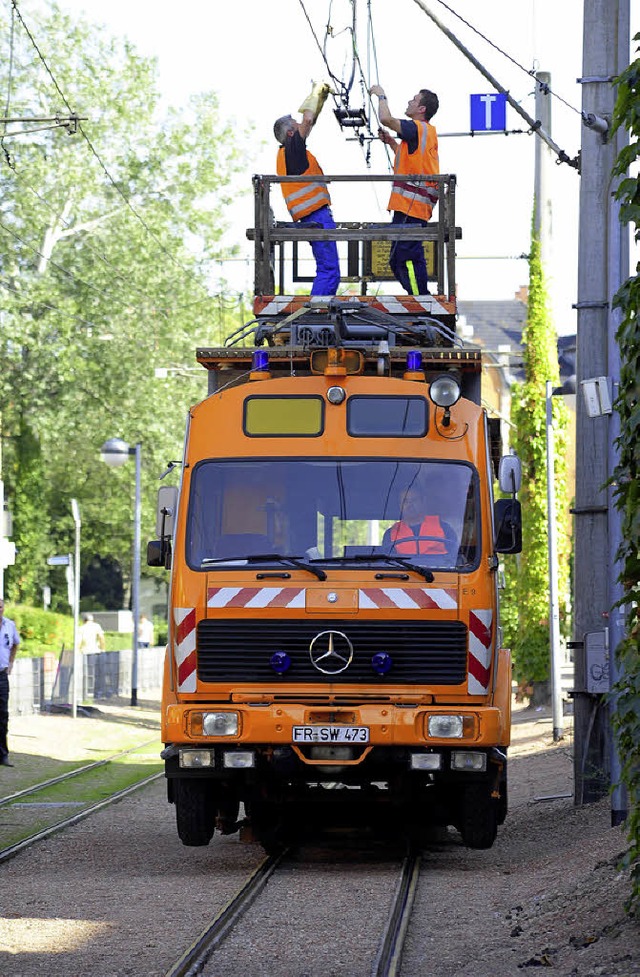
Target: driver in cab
x,y
417,531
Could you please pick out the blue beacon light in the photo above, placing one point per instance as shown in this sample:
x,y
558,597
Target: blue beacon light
x,y
381,662
414,361
260,361
280,662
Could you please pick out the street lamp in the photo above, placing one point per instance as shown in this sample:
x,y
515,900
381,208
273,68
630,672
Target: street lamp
x,y
75,511
568,387
115,452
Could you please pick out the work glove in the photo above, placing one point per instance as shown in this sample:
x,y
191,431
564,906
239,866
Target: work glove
x,y
317,98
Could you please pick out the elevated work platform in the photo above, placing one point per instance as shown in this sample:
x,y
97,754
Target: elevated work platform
x,y
368,245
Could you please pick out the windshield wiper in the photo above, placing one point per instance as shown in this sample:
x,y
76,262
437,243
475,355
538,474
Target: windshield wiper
x,y
398,561
295,561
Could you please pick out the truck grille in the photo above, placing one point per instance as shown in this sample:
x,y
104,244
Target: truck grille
x,y
422,653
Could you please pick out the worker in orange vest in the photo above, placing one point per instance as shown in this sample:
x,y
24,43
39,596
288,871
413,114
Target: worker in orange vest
x,y
411,201
416,532
308,203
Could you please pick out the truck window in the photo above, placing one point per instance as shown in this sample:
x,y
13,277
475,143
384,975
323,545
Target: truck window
x,y
385,417
333,509
283,417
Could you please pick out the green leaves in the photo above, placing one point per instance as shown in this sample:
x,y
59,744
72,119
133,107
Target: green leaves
x,y
107,239
528,587
626,693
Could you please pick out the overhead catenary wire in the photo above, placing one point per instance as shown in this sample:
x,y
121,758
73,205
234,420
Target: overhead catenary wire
x,y
206,295
55,264
528,71
165,310
342,89
99,160
9,82
536,126
47,305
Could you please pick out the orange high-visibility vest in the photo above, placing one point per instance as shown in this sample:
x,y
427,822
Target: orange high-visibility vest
x,y
303,199
407,542
416,199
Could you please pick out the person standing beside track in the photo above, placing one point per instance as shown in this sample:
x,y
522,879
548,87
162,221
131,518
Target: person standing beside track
x,y
308,203
90,636
9,641
91,642
145,632
411,202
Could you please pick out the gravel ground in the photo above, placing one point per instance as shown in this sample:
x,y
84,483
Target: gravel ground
x,y
119,895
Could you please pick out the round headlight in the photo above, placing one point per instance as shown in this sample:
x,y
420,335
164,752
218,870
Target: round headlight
x,y
445,391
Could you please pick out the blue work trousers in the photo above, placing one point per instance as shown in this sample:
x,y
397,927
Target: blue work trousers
x,y
407,257
326,254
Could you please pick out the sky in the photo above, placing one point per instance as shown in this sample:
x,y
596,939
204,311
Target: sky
x,y
261,57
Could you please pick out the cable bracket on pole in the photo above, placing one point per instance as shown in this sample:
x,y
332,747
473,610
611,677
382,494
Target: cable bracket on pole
x,y
596,79
587,510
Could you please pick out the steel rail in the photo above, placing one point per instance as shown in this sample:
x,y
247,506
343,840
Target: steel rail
x,y
12,850
387,960
70,773
193,959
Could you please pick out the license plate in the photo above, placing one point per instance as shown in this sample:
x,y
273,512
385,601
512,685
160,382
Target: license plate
x,y
330,734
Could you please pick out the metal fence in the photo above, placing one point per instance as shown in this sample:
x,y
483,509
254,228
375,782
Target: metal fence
x,y
37,684
41,683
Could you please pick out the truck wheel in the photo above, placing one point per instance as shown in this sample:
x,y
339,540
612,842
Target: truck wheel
x,y
196,810
479,822
503,805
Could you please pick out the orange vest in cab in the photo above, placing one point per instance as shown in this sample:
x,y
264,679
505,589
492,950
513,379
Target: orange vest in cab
x,y
416,199
303,199
407,542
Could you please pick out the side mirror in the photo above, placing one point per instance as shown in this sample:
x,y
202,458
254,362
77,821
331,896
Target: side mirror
x,y
166,509
510,474
159,553
507,514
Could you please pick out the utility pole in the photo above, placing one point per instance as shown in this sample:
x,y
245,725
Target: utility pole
x,y
542,217
78,668
601,269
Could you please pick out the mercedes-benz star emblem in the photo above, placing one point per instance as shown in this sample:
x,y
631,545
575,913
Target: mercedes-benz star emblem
x,y
331,652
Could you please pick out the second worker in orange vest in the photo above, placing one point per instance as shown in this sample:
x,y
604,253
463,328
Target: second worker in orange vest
x,y
411,201
308,203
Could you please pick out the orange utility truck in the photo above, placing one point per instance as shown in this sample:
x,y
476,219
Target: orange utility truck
x,y
335,653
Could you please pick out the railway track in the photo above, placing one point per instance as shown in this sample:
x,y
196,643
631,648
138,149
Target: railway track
x,y
79,776
386,962
70,774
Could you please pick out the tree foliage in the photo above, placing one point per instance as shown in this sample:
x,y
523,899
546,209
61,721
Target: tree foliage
x,y
108,238
529,573
627,472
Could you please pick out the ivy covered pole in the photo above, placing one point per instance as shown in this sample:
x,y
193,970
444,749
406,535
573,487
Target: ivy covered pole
x,y
540,574
605,53
530,641
626,475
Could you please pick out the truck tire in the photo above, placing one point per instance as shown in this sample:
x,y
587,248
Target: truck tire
x,y
503,804
479,821
196,810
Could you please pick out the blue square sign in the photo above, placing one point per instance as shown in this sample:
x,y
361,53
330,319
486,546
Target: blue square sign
x,y
489,112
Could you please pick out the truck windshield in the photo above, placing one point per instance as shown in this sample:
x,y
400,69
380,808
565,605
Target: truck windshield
x,y
336,511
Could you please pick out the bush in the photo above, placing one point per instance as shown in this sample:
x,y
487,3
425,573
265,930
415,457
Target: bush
x,y
117,640
40,630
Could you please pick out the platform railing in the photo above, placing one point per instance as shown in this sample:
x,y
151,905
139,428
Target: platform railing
x,y
267,233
